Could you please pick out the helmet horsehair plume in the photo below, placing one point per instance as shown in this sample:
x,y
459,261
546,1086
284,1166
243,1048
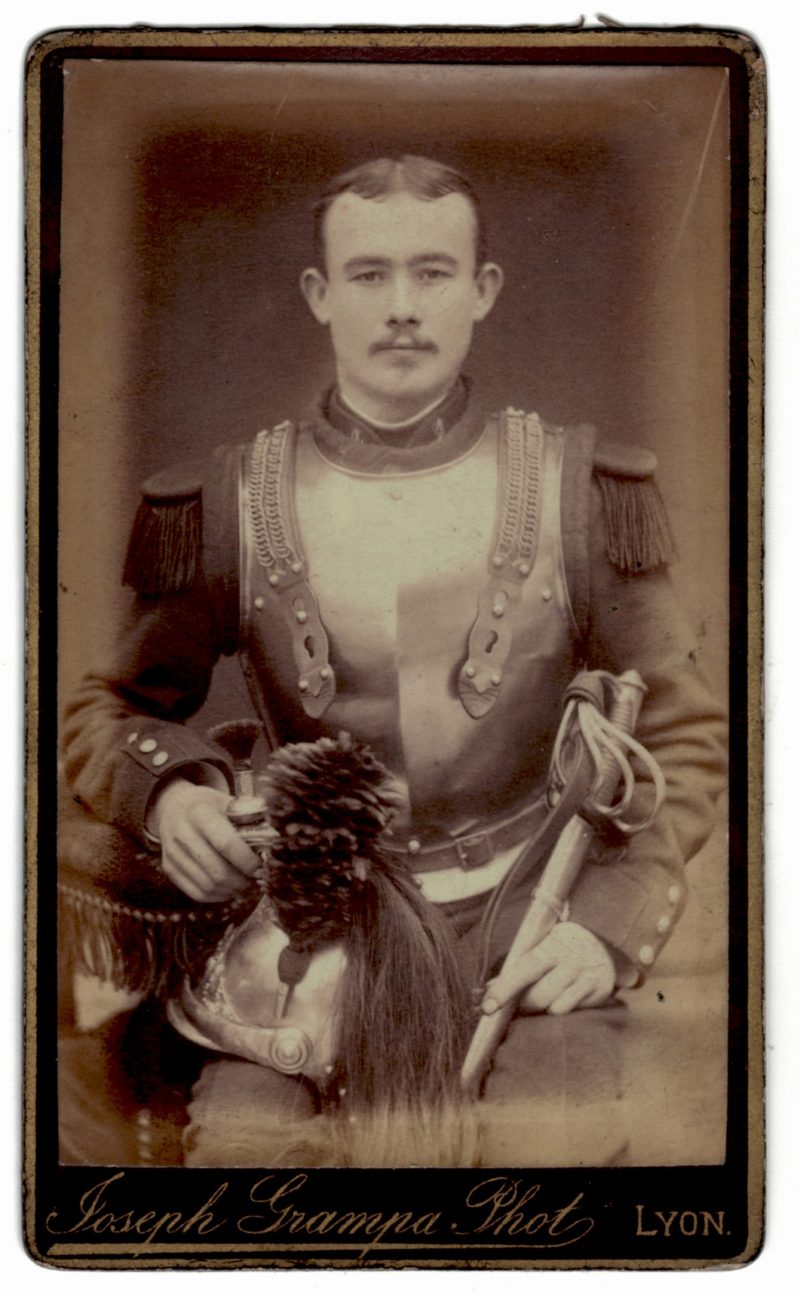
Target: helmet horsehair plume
x,y
403,1007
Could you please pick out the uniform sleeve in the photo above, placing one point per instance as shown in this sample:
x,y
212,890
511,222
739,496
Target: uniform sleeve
x,y
634,899
124,729
123,733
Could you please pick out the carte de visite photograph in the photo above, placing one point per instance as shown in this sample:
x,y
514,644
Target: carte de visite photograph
x,y
394,879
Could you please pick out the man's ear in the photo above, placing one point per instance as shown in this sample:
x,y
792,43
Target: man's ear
x,y
488,282
314,287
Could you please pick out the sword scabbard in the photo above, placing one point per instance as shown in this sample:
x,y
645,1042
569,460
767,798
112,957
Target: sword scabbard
x,y
550,896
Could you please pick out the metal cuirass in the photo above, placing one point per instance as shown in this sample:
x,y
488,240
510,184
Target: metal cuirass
x,y
425,612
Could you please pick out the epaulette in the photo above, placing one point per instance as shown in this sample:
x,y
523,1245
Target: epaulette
x,y
165,548
638,534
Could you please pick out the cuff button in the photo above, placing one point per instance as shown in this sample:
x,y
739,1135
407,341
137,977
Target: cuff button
x,y
132,737
149,744
674,894
663,924
160,758
647,955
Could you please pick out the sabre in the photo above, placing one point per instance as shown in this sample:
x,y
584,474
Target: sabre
x,y
609,739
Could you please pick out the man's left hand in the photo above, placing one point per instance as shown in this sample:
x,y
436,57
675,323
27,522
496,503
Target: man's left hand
x,y
570,968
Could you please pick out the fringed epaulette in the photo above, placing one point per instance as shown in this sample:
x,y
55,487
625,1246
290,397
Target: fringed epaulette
x,y
638,534
165,549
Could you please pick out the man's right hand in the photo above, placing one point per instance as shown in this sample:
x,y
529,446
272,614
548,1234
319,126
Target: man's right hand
x,y
201,851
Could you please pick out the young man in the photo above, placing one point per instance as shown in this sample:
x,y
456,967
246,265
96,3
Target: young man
x,y
429,576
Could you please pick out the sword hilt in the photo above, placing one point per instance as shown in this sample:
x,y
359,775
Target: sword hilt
x,y
628,694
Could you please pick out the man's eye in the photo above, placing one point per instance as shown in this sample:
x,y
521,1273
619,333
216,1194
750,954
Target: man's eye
x,y
369,276
432,274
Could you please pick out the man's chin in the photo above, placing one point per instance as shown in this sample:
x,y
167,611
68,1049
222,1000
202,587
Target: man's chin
x,y
399,391
411,375
405,400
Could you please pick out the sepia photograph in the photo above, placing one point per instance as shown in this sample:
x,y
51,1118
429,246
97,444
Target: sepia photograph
x,y
394,480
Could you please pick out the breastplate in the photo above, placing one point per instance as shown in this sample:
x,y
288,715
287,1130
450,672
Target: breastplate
x,y
415,611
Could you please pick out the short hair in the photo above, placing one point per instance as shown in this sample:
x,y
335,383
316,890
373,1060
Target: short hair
x,y
419,176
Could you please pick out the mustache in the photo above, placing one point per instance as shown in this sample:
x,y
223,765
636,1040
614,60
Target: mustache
x,y
401,343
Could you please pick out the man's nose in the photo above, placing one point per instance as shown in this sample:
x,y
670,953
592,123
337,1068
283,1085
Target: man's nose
x,y
403,303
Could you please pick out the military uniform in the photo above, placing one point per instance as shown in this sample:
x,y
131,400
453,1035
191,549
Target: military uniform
x,y
433,595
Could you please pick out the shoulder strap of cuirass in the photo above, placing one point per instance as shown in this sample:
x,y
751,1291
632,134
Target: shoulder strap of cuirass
x,y
520,459
270,497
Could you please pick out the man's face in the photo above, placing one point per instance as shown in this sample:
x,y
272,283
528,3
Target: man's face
x,y
400,295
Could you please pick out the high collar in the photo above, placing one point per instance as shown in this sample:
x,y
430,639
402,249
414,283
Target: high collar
x,y
351,442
